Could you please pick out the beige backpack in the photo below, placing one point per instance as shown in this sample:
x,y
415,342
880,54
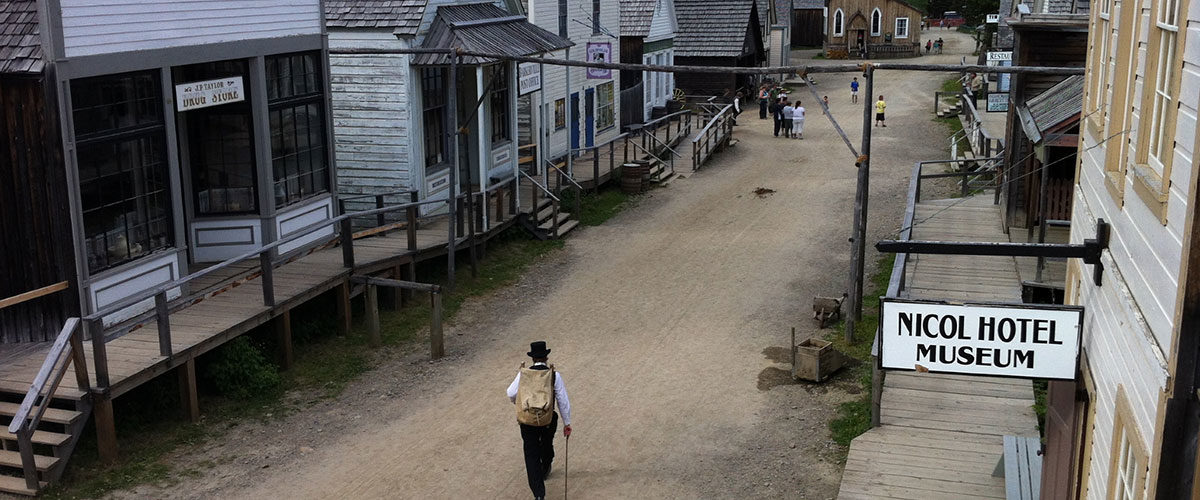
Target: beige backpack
x,y
535,396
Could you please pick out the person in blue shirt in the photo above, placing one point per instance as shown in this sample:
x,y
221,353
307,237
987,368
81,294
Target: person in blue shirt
x,y
854,90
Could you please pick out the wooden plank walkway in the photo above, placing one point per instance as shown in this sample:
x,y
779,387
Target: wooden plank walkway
x,y
941,435
212,320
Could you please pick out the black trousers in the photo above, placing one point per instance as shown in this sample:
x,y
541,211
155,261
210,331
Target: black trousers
x,y
539,452
778,123
762,109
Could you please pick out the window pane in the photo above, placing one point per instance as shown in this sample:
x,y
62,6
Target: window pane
x,y
298,158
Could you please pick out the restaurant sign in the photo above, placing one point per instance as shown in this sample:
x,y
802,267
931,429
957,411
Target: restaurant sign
x,y
208,93
1027,341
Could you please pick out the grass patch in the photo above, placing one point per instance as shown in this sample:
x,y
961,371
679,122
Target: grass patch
x,y
597,208
325,364
951,85
854,417
1040,386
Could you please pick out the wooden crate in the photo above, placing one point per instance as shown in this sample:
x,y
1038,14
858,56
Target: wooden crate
x,y
816,360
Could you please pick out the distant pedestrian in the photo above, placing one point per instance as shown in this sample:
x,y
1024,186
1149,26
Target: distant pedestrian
x,y
737,106
928,46
777,113
764,98
939,44
536,391
788,111
798,121
825,101
854,90
880,106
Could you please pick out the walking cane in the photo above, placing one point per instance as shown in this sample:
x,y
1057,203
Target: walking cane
x,y
566,464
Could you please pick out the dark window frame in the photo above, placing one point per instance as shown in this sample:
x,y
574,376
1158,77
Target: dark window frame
x,y
433,114
562,18
130,175
499,102
301,173
220,166
595,17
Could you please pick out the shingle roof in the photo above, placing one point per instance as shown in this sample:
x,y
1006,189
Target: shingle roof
x,y
20,39
484,27
808,4
404,16
1052,108
712,28
636,16
783,12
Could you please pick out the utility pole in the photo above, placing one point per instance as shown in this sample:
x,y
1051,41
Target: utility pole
x,y
858,239
452,124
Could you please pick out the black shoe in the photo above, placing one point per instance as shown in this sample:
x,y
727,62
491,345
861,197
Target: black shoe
x,y
547,473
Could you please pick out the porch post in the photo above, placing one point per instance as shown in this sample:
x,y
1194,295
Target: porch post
x,y
264,174
451,127
570,109
485,138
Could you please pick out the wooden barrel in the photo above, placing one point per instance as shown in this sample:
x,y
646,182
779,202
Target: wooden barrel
x,y
635,177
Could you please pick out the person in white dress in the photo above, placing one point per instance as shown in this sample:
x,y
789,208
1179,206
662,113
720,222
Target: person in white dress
x,y
798,121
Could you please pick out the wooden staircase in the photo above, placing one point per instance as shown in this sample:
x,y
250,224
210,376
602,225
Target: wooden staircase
x,y
53,441
541,221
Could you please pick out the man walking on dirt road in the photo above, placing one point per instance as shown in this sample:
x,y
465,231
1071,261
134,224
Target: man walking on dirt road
x,y
535,391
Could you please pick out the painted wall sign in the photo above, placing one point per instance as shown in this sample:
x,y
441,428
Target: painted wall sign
x,y
993,18
997,102
599,52
978,339
208,93
529,78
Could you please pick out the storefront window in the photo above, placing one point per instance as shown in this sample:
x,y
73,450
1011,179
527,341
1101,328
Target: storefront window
x,y
220,145
433,104
295,98
499,102
123,183
604,106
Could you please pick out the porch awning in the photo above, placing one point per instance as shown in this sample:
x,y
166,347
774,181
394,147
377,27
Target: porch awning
x,y
1053,110
484,27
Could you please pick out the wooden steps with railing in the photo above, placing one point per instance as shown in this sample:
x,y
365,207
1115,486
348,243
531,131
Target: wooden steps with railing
x,y
51,443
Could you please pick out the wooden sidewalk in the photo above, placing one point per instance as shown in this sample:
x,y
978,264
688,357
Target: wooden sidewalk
x,y
213,319
941,435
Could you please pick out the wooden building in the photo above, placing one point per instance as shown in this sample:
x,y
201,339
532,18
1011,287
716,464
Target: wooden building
x,y
1058,38
179,151
881,28
647,37
1049,131
718,33
391,110
809,25
38,282
1127,427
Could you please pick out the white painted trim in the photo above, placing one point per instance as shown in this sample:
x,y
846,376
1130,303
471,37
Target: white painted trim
x,y
907,27
301,215
871,22
133,278
217,240
839,23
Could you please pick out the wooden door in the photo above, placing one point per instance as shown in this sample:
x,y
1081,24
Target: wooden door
x,y
1063,414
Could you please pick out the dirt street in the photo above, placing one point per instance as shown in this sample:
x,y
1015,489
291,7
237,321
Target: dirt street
x,y
669,325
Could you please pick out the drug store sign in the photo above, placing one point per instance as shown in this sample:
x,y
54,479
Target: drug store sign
x,y
196,95
981,339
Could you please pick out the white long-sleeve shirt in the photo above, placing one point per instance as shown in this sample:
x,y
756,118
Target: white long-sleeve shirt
x,y
560,395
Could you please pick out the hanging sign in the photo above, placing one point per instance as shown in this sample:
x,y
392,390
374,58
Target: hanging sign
x,y
208,93
529,78
994,58
600,52
997,102
993,18
1027,341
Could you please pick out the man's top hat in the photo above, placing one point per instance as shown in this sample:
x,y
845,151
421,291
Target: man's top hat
x,y
538,350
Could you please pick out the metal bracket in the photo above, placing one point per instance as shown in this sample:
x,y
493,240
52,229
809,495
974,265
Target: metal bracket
x,y
1090,251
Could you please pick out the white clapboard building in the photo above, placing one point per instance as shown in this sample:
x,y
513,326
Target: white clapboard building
x,y
191,132
390,110
579,107
1130,419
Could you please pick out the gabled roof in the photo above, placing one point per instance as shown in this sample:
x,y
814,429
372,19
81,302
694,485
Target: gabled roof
x,y
1054,107
808,4
20,39
403,16
484,27
636,17
712,28
783,12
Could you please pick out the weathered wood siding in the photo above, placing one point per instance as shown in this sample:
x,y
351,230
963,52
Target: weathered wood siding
x,y
890,10
544,13
35,239
1130,319
662,25
91,27
806,27
372,113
